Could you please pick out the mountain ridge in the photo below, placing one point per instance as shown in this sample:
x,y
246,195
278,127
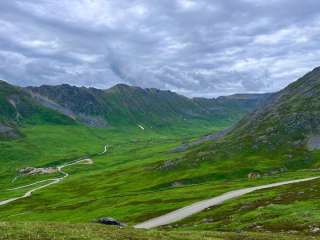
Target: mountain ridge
x,y
124,104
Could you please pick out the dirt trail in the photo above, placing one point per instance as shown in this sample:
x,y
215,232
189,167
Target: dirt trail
x,y
200,206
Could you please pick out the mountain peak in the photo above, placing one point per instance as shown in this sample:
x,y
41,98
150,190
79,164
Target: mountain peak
x,y
121,86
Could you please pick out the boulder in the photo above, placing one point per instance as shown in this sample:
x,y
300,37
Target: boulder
x,y
110,221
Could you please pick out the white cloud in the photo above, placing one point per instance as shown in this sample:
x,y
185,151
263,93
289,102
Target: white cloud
x,y
187,4
41,44
201,47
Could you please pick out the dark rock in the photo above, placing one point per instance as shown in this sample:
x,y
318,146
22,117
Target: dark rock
x,y
110,221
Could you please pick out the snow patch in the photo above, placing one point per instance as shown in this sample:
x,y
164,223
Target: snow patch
x,y
140,126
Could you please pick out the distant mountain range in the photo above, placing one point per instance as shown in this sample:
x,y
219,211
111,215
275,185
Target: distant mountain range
x,y
121,105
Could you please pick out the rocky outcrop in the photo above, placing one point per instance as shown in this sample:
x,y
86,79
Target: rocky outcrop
x,y
46,102
89,120
110,221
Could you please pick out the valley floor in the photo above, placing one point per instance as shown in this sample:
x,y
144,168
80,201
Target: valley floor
x,y
138,180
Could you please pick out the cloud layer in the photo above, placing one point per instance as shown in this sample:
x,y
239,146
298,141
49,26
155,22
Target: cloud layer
x,y
194,47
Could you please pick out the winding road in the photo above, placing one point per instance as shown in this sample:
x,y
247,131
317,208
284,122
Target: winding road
x,y
52,180
202,205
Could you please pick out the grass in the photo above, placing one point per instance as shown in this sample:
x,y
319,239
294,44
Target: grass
x,y
57,231
116,174
292,209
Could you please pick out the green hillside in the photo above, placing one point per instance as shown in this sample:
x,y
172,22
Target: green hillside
x,y
280,135
291,116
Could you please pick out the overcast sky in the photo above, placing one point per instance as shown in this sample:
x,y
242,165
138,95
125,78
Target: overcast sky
x,y
195,47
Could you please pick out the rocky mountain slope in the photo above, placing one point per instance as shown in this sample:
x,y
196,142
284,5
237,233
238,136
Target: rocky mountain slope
x,y
281,134
291,116
18,107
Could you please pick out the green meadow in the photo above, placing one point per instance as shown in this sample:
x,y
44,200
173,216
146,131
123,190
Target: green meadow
x,y
132,182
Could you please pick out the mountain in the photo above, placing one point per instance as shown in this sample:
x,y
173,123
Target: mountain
x,y
127,105
121,105
282,133
18,107
235,106
292,116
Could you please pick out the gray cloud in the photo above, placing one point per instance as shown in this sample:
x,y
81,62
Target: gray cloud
x,y
195,47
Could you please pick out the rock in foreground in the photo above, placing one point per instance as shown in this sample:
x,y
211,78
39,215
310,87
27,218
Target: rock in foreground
x,y
110,221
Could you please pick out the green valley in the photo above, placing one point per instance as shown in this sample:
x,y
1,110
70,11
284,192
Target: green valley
x,y
145,173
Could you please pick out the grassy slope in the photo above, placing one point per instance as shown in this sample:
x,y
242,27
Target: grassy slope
x,y
274,137
130,166
45,145
48,231
126,183
292,209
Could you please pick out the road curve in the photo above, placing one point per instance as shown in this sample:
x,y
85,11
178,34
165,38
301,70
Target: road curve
x,y
185,212
53,180
105,149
